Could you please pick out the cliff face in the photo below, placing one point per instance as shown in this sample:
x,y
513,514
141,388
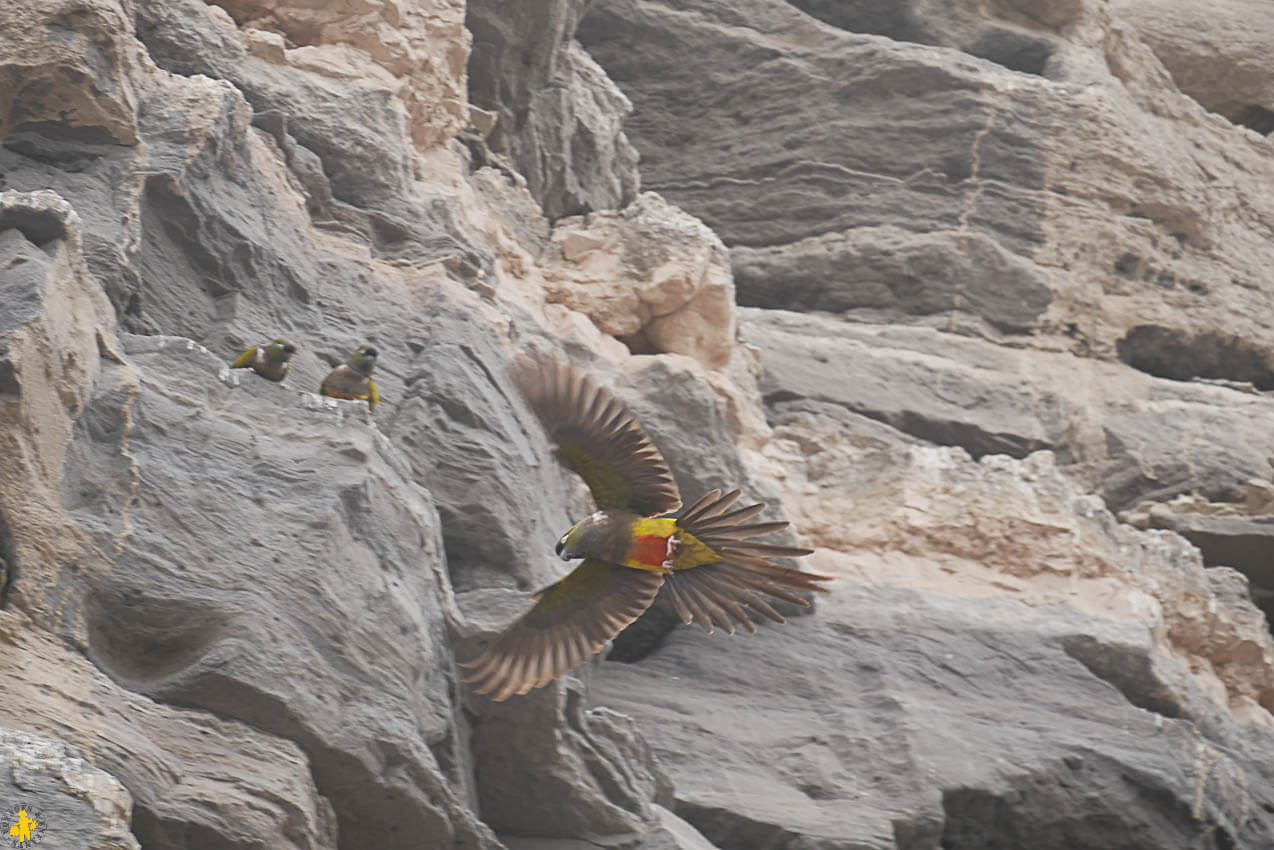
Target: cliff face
x,y
1004,356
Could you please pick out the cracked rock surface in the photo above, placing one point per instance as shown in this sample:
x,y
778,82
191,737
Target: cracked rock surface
x,y
1003,359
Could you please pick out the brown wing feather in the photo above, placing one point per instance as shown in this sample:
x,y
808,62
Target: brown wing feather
x,y
599,439
573,619
743,578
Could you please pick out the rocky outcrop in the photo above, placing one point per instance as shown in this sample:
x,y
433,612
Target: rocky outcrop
x,y
62,796
232,610
1071,196
549,108
649,275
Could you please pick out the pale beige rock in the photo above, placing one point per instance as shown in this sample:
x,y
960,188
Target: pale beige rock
x,y
74,63
1018,528
650,274
421,45
1218,53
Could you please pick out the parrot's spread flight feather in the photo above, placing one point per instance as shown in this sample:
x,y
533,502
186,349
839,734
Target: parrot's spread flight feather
x,y
573,620
704,561
600,440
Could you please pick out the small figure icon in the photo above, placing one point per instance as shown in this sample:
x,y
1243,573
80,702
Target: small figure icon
x,y
24,828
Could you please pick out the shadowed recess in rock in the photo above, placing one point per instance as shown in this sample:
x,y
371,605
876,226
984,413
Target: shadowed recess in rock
x,y
1171,353
1015,49
1081,803
40,227
137,637
1128,669
1256,117
8,563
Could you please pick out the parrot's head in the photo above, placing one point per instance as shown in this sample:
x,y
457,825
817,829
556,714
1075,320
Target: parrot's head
x,y
589,538
364,359
280,350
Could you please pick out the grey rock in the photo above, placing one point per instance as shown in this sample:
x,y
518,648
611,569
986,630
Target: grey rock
x,y
860,728
674,833
324,587
989,164
559,117
1122,433
75,806
770,156
1243,542
891,270
245,602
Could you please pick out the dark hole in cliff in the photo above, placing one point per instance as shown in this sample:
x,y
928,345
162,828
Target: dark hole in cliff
x,y
1244,545
729,829
1128,670
10,389
1014,50
62,145
1127,265
8,563
1174,354
152,830
645,634
639,343
139,637
40,227
889,18
1256,118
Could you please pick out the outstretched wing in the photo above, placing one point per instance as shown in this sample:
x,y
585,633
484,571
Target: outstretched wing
x,y
244,360
572,620
600,440
721,591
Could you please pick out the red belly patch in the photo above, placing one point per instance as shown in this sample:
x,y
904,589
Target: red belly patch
x,y
652,550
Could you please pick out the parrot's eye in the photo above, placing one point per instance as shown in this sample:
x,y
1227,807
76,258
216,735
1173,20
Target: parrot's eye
x,y
370,352
289,349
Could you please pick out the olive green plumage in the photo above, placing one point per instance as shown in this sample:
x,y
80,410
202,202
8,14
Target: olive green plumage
x,y
703,560
270,360
353,378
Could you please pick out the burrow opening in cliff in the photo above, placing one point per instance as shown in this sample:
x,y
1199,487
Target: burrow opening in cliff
x,y
1011,48
1180,356
1256,118
8,564
1243,548
1043,812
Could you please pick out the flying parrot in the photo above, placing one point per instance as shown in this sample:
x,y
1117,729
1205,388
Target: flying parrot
x,y
703,559
353,378
269,359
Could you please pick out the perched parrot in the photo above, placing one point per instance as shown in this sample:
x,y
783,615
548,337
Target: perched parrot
x,y
269,359
353,378
702,559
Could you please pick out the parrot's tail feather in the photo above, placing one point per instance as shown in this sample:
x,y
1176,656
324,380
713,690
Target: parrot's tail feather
x,y
743,532
734,517
744,581
767,549
691,513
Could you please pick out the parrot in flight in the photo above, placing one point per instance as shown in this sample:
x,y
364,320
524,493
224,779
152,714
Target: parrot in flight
x,y
270,360
353,378
703,559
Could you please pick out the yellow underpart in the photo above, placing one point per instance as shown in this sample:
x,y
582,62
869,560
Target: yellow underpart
x,y
690,552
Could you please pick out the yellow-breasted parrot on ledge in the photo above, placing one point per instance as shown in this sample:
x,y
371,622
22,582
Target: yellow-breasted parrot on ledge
x,y
268,359
353,378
